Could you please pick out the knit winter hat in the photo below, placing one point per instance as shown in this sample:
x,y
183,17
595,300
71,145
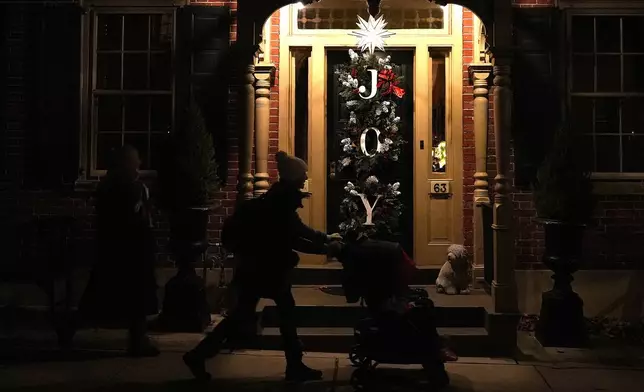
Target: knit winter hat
x,y
290,168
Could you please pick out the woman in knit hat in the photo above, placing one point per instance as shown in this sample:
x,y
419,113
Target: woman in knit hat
x,y
264,234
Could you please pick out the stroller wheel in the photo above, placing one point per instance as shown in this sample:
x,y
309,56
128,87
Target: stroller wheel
x,y
360,379
437,375
356,358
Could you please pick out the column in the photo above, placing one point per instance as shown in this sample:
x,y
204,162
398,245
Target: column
x,y
479,77
246,100
264,76
504,285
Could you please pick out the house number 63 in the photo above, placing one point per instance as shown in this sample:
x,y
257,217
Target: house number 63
x,y
439,187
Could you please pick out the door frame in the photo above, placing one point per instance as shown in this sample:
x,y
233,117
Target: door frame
x,y
449,39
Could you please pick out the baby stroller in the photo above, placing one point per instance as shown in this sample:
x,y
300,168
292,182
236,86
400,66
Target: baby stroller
x,y
400,328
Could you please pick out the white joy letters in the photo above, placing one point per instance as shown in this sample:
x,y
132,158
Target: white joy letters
x,y
374,85
363,142
369,208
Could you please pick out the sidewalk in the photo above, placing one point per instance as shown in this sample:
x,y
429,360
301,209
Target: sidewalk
x,y
263,371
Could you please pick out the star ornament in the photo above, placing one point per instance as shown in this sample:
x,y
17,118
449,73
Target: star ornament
x,y
372,34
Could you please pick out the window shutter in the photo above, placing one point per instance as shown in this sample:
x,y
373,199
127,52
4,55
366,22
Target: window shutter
x,y
52,99
204,72
536,84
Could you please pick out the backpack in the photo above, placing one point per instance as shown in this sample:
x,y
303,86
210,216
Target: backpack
x,y
239,227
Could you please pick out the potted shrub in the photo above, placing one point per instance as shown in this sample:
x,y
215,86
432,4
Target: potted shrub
x,y
564,201
187,182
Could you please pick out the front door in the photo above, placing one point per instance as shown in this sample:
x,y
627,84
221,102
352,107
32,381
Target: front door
x,y
337,115
431,175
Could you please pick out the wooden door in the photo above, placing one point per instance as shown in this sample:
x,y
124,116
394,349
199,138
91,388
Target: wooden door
x,y
337,115
438,192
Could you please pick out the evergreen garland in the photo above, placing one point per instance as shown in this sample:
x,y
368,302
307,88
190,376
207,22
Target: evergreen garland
x,y
373,173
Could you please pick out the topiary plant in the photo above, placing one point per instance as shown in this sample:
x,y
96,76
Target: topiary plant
x,y
564,190
188,173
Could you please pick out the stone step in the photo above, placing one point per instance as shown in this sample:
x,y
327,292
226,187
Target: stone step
x,y
349,316
331,274
470,342
316,308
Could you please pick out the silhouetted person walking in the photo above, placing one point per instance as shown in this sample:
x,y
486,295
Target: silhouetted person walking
x,y
122,286
263,233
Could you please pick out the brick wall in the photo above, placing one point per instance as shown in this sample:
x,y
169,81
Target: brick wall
x,y
469,157
612,240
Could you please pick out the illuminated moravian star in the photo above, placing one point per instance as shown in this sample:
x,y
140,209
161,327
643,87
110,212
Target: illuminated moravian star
x,y
372,34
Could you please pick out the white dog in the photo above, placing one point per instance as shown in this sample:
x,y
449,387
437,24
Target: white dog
x,y
455,277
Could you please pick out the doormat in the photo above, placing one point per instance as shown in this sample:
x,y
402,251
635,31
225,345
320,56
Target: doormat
x,y
332,290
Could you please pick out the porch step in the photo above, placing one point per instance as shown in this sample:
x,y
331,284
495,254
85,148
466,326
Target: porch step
x,y
331,274
467,342
316,308
349,316
326,322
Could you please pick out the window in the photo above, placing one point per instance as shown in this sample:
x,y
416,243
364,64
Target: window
x,y
606,85
132,85
342,14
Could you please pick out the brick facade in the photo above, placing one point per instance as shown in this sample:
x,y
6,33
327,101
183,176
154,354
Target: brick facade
x,y
612,238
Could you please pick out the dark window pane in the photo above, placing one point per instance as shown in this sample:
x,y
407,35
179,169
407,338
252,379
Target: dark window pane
x,y
108,72
607,115
608,34
607,150
581,115
108,31
157,144
106,144
588,152
136,32
633,116
140,142
583,74
634,73
161,32
633,148
302,106
633,34
109,113
609,73
161,113
583,34
160,71
135,72
136,113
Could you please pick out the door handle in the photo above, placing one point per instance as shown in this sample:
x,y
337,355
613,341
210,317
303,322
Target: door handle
x,y
332,170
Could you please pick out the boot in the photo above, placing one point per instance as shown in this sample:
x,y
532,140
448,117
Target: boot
x,y
197,366
298,372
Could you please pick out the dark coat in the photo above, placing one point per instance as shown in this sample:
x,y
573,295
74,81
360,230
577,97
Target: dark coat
x,y
122,283
269,230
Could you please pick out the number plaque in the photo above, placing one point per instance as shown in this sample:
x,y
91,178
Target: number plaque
x,y
439,187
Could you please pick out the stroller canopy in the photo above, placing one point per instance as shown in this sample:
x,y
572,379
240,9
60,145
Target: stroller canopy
x,y
375,271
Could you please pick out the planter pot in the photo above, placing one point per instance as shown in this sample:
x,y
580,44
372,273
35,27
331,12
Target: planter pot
x,y
563,245
185,308
561,321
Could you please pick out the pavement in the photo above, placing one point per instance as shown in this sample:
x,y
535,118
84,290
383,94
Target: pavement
x,y
110,370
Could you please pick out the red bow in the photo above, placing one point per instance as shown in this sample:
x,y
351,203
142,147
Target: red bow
x,y
387,78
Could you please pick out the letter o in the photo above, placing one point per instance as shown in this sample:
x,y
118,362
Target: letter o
x,y
363,141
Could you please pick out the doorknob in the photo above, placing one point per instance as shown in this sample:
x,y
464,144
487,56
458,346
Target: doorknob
x,y
332,170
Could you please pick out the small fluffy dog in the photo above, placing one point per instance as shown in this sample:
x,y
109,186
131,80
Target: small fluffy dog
x,y
455,277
